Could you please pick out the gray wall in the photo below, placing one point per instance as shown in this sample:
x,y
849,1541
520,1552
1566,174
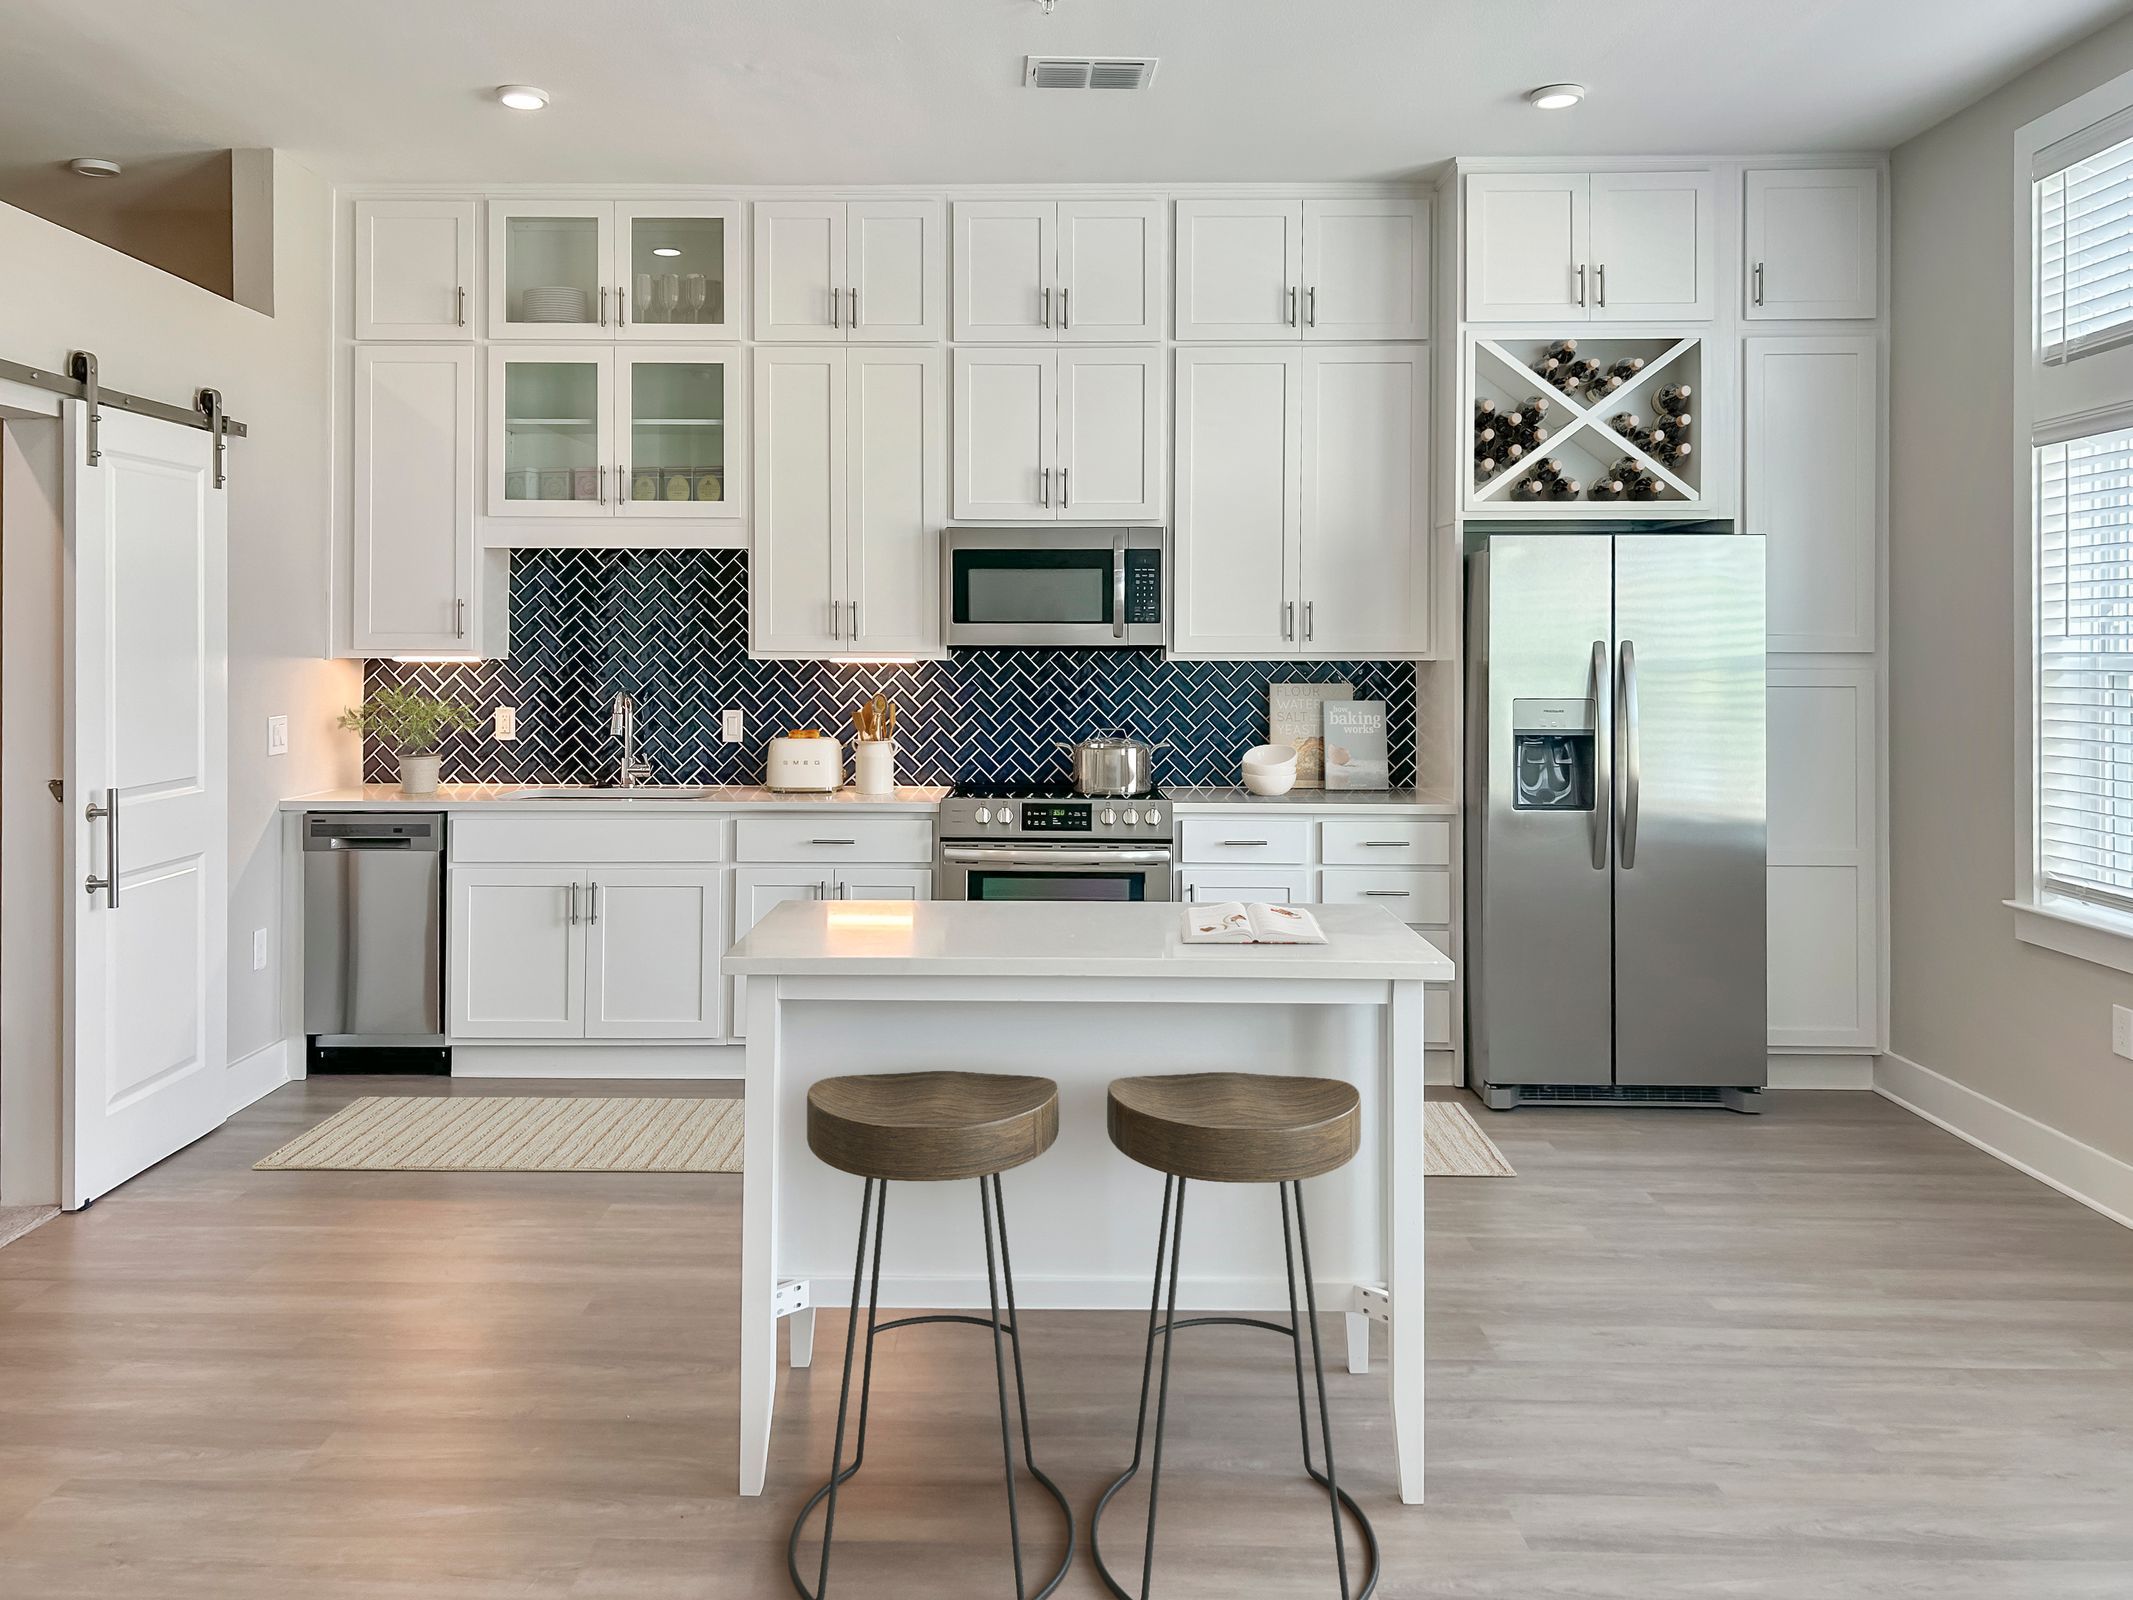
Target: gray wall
x,y
2028,1027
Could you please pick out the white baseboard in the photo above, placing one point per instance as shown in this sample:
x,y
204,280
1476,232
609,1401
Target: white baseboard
x,y
665,1062
1821,1072
1441,1066
260,1073
2079,1171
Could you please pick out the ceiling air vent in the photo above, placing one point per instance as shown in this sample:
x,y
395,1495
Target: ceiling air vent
x,y
1088,72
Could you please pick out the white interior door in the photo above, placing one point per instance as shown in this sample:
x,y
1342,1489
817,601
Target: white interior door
x,y
147,888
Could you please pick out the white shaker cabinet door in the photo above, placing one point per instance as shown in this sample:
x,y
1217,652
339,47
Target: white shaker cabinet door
x,y
1653,246
1006,254
1275,886
1365,267
1110,270
800,250
1006,435
413,512
895,267
755,891
1110,448
516,948
884,883
1528,247
795,597
1813,243
1239,498
653,937
1364,570
897,448
414,269
1240,269
1812,446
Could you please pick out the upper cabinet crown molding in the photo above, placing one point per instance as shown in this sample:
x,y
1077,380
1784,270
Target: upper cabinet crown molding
x,y
860,271
414,270
1042,271
1590,246
602,270
1289,269
1812,243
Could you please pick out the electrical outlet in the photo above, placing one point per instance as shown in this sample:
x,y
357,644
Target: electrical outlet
x,y
277,736
259,949
2122,1031
730,726
507,722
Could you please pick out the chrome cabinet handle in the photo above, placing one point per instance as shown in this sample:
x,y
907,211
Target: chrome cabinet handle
x,y
1387,844
1066,319
836,307
108,885
1758,283
855,311
855,622
1240,842
1603,785
593,921
603,305
833,841
1118,586
836,620
462,305
602,470
1581,283
622,314
1390,894
1292,305
1047,307
1600,273
1288,619
459,619
1065,499
570,891
1310,619
1044,487
1311,306
1632,773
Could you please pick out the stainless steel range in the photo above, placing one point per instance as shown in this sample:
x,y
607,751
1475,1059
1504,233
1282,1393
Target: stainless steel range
x,y
1044,842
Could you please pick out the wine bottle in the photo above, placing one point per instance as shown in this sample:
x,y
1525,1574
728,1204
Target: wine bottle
x,y
1484,466
1484,408
1607,488
1674,397
1511,419
1626,368
1536,406
1483,435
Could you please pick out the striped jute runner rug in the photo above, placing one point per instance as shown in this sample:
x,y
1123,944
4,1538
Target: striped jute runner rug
x,y
498,1133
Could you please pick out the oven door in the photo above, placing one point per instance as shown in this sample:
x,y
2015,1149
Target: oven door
x,y
1004,586
1025,872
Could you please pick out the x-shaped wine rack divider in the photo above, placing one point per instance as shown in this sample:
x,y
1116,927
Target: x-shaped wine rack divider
x,y
1584,416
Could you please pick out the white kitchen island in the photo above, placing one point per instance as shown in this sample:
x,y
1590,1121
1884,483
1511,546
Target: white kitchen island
x,y
1081,994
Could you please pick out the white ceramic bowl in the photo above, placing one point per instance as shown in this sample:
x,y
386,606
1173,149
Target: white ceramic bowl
x,y
1271,758
1269,780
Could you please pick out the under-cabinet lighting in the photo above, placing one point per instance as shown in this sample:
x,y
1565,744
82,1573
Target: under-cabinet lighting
x,y
522,96
1555,96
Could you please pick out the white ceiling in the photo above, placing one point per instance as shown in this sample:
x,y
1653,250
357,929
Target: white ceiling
x,y
927,91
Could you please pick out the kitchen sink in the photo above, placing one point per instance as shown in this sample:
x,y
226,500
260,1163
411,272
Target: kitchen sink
x,y
640,791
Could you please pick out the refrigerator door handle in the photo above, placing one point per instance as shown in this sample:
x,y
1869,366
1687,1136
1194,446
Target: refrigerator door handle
x,y
1626,731
1603,788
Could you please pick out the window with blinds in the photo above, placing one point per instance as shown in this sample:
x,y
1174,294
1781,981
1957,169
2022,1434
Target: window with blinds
x,y
2084,253
2084,623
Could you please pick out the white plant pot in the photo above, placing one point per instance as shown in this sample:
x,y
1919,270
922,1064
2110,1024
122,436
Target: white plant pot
x,y
418,774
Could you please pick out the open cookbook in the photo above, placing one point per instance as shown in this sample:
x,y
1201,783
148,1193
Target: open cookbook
x,y
1253,922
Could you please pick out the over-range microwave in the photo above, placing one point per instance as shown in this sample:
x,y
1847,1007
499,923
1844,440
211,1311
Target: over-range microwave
x,y
1052,586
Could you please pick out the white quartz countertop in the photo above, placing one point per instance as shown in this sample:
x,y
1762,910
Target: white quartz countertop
x,y
973,939
1205,797
687,799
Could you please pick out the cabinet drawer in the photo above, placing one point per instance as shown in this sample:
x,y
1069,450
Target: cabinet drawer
x,y
1411,895
1245,838
605,837
1393,842
831,836
1280,886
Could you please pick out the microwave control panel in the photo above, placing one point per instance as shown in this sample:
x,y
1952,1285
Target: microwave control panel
x,y
1144,586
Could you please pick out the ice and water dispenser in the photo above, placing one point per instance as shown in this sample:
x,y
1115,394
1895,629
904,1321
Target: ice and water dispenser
x,y
1552,755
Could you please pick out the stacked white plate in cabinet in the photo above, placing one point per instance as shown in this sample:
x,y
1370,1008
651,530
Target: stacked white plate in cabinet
x,y
553,303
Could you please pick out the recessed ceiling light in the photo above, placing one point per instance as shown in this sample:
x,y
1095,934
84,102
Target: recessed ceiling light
x,y
522,96
664,250
94,167
1555,96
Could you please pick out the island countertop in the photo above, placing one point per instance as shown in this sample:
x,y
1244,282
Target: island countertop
x,y
972,939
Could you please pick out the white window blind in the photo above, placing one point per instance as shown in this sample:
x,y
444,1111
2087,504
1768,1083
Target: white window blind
x,y
2084,622
2085,254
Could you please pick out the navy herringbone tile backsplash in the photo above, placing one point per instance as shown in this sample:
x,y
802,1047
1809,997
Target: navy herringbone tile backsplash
x,y
671,627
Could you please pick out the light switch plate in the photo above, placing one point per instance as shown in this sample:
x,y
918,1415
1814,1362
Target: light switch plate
x,y
730,726
507,722
277,736
259,949
2122,1031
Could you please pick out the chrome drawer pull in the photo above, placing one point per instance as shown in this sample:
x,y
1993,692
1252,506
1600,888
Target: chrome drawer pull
x,y
1393,894
1387,844
833,841
1238,843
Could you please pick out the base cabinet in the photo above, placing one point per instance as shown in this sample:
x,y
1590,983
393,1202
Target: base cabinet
x,y
652,944
517,953
758,890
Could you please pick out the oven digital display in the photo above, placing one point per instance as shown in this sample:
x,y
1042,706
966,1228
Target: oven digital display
x,y
1055,818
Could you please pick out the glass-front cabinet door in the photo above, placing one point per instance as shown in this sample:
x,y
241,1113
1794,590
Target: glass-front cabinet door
x,y
676,270
551,435
550,271
680,426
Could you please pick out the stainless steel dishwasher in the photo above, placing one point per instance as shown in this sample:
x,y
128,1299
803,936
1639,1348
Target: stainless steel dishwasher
x,y
374,930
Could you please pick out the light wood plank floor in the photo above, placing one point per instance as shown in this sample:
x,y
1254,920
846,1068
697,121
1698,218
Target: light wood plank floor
x,y
1828,1352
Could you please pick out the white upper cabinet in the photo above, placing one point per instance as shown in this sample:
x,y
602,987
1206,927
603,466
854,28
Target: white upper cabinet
x,y
1589,247
834,271
1302,269
1813,243
850,469
1653,246
1811,449
413,525
1239,501
414,269
1364,568
1044,271
1051,435
593,269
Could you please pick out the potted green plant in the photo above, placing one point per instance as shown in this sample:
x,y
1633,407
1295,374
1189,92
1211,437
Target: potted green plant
x,y
410,722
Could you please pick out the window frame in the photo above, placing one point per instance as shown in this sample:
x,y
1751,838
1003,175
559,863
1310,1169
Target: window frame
x,y
2086,390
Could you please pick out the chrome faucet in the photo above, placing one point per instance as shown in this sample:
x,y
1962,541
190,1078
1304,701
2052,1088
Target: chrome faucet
x,y
623,725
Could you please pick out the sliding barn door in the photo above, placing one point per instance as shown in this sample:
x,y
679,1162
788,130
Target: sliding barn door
x,y
146,792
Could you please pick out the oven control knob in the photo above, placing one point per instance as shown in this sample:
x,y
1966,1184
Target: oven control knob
x,y
1151,816
1109,817
1007,817
982,815
1133,817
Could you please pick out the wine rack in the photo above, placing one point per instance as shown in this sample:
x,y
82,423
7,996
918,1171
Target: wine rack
x,y
1625,429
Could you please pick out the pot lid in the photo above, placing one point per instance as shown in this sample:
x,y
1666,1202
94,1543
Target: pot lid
x,y
1109,739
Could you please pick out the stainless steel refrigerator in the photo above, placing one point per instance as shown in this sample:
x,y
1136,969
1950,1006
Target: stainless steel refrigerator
x,y
1616,837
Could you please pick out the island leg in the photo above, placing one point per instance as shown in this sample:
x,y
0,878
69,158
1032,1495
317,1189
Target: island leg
x,y
1403,1061
759,1233
1358,1341
800,1336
